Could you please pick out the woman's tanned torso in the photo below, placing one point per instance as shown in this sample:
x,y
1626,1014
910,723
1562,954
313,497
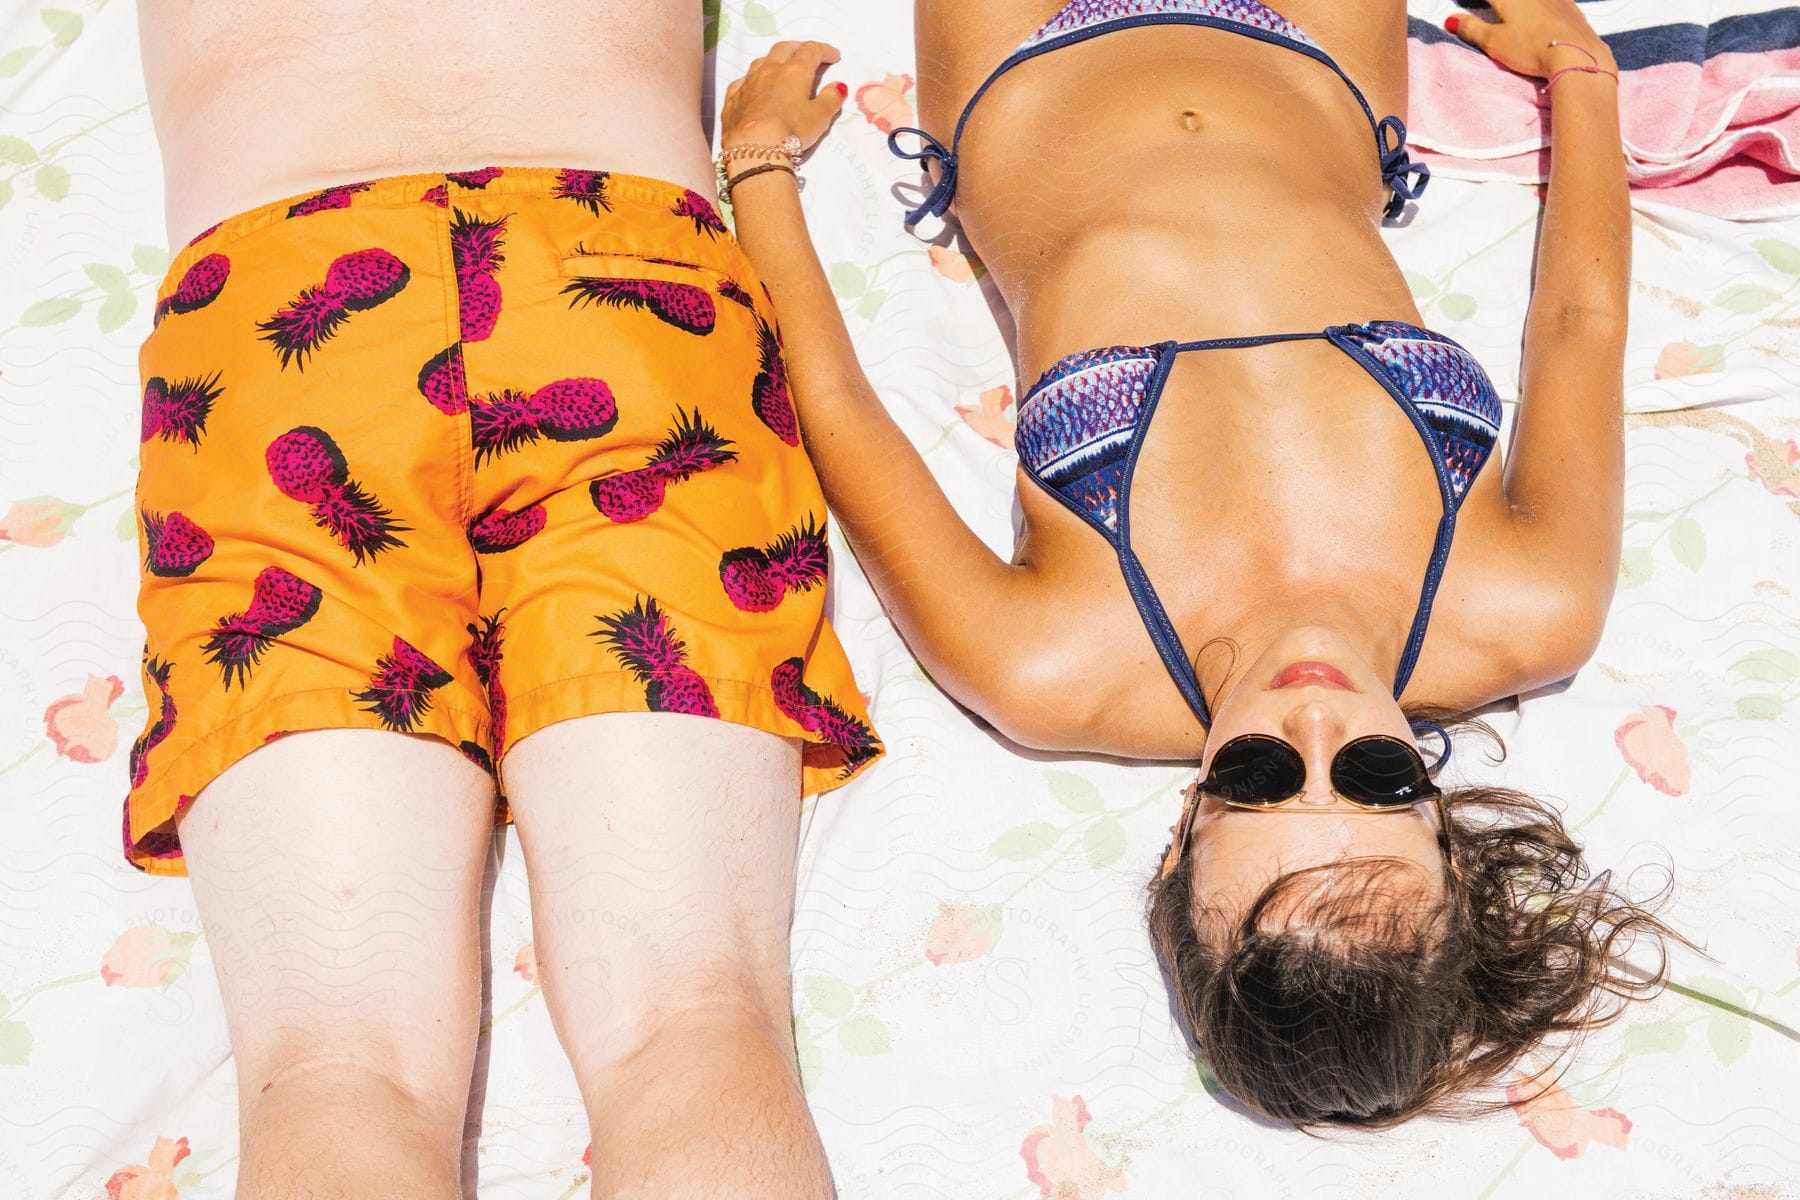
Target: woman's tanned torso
x,y
257,100
1179,182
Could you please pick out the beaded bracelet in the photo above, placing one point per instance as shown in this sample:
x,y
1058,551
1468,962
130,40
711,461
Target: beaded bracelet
x,y
1596,69
790,148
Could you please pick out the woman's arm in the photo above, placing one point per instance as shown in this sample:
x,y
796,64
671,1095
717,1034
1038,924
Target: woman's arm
x,y
1565,478
951,597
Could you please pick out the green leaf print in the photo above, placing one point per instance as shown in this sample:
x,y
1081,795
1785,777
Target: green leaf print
x,y
1421,288
52,181
864,1035
151,260
714,24
6,192
1073,792
64,26
1635,566
1729,1036
12,62
107,278
127,529
1769,666
1104,843
115,310
15,1043
1025,841
1783,256
1458,306
1760,707
16,150
53,311
1745,298
1660,1037
871,303
759,20
828,995
848,281
811,1060
1688,541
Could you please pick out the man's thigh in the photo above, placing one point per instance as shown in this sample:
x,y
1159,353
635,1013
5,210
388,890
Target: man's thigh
x,y
660,850
338,875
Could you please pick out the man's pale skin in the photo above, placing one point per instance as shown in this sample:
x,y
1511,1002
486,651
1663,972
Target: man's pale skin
x,y
339,874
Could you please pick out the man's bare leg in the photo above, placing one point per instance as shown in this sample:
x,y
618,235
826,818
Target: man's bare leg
x,y
338,876
660,850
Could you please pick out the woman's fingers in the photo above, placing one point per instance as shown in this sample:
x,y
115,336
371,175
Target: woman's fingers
x,y
830,101
1470,28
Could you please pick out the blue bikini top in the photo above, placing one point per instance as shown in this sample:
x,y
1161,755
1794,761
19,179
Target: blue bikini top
x,y
1083,424
1083,19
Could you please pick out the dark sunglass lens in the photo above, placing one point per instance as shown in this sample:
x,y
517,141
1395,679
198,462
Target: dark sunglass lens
x,y
1380,771
1256,770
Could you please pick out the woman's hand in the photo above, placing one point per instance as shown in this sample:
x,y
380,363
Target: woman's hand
x,y
775,99
1519,39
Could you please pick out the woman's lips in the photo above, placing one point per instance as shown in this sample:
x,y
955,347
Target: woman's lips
x,y
1314,674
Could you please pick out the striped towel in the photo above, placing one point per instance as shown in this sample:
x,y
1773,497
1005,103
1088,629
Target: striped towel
x,y
1710,111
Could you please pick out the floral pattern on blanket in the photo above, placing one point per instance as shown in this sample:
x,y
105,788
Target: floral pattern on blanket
x,y
977,1011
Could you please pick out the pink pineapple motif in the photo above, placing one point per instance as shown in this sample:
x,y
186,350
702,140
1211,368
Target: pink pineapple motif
x,y
757,580
692,446
443,382
177,412
204,234
642,638
817,714
731,290
474,179
700,211
475,250
569,410
438,194
485,651
158,672
307,466
477,754
586,188
280,603
500,530
399,692
176,545
769,393
330,198
200,285
684,305
354,282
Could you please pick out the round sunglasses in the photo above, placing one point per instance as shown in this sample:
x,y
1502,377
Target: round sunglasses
x,y
1376,772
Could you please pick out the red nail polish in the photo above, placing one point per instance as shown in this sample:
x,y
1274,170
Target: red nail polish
x,y
1451,22
842,88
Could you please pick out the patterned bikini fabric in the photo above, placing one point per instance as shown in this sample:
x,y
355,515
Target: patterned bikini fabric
x,y
1084,14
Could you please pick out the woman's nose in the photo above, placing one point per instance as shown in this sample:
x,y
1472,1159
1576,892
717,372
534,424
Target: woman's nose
x,y
1316,729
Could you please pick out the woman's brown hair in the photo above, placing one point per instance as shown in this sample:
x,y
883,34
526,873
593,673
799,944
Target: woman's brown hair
x,y
1334,1000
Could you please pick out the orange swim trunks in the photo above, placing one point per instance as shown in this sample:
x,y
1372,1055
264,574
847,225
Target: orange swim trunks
x,y
467,455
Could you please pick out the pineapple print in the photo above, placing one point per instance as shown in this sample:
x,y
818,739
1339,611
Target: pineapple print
x,y
818,715
731,290
354,282
700,211
501,530
586,188
399,692
488,640
307,466
691,447
474,179
157,671
279,604
569,410
443,382
758,579
642,638
475,250
200,285
175,545
330,198
769,393
683,305
177,412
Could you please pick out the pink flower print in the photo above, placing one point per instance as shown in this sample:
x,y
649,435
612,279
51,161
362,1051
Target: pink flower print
x,y
961,933
153,1180
147,956
988,416
81,727
1684,358
1563,1127
40,522
1652,748
884,104
1059,1161
1776,465
955,266
525,962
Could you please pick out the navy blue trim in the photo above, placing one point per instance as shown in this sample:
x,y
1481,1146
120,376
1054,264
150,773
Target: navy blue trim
x,y
1397,170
